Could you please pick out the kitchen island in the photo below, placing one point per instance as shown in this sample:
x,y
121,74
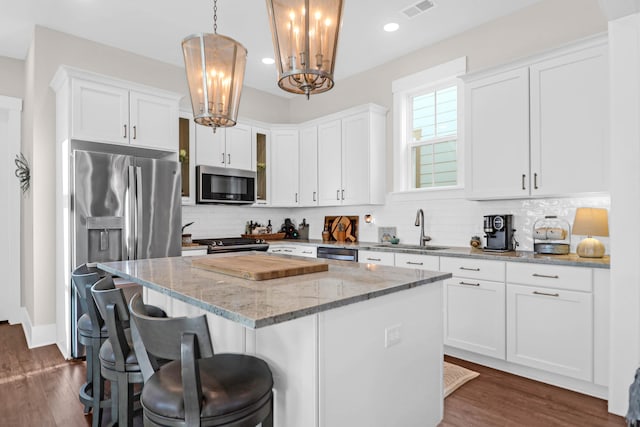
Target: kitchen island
x,y
358,344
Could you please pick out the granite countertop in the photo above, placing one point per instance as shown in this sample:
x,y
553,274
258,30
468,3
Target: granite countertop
x,y
256,304
465,252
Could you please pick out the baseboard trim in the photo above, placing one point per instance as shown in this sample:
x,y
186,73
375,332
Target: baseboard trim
x,y
557,380
37,336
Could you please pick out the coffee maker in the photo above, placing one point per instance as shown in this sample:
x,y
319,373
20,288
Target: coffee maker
x,y
499,232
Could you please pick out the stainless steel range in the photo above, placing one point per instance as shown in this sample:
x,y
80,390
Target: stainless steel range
x,y
233,244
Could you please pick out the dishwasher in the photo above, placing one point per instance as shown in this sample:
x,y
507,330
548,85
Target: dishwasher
x,y
343,254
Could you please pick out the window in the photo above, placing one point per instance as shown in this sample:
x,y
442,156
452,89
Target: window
x,y
433,124
427,148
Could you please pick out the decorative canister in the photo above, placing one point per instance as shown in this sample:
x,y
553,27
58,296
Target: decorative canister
x,y
551,235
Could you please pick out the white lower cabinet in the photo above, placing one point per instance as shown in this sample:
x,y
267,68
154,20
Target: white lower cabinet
x,y
417,261
551,329
297,250
379,258
550,318
474,305
475,316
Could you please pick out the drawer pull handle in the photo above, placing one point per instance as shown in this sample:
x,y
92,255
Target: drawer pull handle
x,y
469,269
306,252
545,294
374,259
545,276
288,250
415,263
469,284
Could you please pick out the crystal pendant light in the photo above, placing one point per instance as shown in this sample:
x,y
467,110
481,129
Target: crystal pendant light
x,y
305,38
215,71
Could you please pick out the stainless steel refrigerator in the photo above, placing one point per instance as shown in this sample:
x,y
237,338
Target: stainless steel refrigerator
x,y
123,207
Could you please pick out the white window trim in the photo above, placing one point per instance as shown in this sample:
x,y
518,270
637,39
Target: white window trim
x,y
404,87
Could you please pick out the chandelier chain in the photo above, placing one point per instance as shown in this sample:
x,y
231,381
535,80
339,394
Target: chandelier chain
x,y
215,16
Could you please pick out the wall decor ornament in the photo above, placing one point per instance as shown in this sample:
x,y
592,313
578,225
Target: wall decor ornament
x,y
23,173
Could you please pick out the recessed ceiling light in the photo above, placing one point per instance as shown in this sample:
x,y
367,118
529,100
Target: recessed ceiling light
x,y
268,61
391,27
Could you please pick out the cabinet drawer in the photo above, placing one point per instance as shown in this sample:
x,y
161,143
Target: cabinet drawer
x,y
307,251
373,257
421,262
550,276
473,268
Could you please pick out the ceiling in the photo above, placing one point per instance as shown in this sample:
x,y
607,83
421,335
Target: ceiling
x,y
155,28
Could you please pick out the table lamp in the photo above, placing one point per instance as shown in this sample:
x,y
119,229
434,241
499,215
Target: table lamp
x,y
591,222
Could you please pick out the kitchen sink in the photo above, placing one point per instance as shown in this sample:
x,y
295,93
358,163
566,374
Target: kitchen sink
x,y
417,247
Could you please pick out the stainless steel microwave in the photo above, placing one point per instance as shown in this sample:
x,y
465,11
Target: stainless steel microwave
x,y
225,185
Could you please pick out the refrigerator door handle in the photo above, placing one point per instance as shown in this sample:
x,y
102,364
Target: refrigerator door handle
x,y
138,218
130,212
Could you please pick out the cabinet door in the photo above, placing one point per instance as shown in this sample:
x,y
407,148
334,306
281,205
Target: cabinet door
x,y
497,136
330,163
284,169
210,146
355,160
374,257
550,329
239,147
262,143
474,317
417,261
153,120
100,112
187,157
309,166
569,123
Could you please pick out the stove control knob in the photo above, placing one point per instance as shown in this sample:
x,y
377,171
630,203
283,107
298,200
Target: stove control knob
x,y
220,243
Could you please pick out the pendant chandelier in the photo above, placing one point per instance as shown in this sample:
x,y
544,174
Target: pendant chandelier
x,y
215,71
305,38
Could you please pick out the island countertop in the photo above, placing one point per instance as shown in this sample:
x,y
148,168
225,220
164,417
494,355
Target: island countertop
x,y
257,304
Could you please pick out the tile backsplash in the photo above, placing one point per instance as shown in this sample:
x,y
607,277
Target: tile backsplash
x,y
448,220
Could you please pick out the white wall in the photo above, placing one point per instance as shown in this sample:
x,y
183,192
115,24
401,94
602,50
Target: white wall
x,y
11,77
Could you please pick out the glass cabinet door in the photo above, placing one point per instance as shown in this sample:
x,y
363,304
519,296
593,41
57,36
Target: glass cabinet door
x,y
186,157
261,138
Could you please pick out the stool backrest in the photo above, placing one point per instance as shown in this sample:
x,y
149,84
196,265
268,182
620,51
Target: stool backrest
x,y
112,306
83,278
162,337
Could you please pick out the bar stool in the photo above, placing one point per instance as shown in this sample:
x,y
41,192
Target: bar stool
x,y
92,333
117,358
197,388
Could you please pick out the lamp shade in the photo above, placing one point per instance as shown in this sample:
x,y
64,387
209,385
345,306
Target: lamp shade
x,y
305,38
215,67
591,222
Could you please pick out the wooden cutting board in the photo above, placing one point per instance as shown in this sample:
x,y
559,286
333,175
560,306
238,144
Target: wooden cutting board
x,y
259,267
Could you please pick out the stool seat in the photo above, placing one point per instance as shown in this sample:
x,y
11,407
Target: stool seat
x,y
108,357
85,327
231,384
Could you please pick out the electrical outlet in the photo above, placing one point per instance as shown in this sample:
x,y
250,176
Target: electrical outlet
x,y
392,335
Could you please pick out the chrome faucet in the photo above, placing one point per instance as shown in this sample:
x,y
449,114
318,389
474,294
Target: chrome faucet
x,y
420,223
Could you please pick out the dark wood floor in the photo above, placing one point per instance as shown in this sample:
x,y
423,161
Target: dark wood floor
x,y
496,399
39,388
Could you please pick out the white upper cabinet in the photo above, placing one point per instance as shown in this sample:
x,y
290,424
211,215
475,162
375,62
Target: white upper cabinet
x,y
153,120
116,113
351,158
239,147
227,148
284,167
497,135
539,128
569,123
210,146
308,166
330,163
